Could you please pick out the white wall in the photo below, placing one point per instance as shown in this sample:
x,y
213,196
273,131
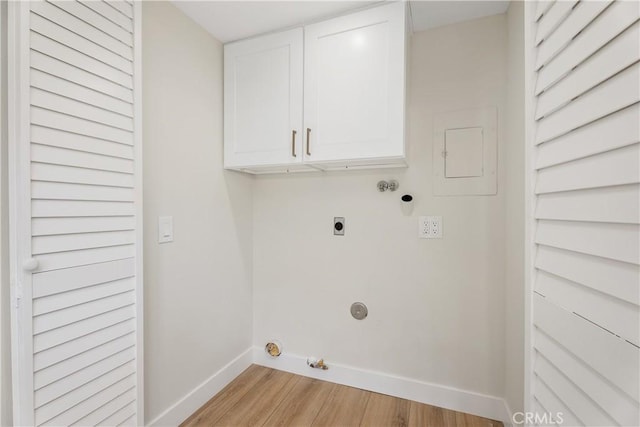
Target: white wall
x,y
198,310
515,202
436,307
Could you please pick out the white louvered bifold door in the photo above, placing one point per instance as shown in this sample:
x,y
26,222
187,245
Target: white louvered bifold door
x,y
75,212
586,288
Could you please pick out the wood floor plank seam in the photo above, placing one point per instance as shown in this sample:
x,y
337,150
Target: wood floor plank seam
x,y
386,410
254,373
267,397
270,385
296,379
326,400
302,403
280,404
365,409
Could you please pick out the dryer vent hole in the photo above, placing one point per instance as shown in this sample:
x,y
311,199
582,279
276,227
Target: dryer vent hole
x,y
273,349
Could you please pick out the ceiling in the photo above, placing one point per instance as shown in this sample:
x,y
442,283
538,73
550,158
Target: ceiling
x,y
234,20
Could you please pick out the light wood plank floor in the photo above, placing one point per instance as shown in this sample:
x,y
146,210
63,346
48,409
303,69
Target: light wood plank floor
x,y
266,397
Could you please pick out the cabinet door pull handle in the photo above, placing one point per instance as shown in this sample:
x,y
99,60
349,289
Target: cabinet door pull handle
x,y
293,143
308,142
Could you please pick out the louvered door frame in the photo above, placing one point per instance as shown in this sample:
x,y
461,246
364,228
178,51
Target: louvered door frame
x,y
20,113
582,333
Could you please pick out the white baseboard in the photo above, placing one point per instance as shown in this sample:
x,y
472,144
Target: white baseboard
x,y
192,401
509,421
433,394
455,399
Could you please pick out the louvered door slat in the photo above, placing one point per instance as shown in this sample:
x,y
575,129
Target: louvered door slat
x,y
599,349
553,18
616,167
73,141
596,34
82,296
541,8
82,159
75,313
63,191
59,260
121,416
57,371
74,405
121,6
78,175
111,14
611,277
604,393
83,376
64,280
71,107
50,226
81,28
129,422
108,392
95,19
74,242
44,45
68,89
585,146
617,130
610,313
79,340
108,409
62,70
75,208
584,13
68,38
615,94
552,405
538,408
68,333
577,402
65,122
82,347
607,240
602,65
623,205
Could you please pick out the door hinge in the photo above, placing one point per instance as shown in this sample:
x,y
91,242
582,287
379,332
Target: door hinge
x,y
17,296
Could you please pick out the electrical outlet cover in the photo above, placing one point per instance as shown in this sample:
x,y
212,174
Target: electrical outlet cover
x,y
430,227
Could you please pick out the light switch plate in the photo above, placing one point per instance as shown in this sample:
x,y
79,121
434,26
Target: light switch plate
x,y
165,229
430,227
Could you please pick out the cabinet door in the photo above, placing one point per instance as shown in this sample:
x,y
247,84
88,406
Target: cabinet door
x,y
263,100
355,85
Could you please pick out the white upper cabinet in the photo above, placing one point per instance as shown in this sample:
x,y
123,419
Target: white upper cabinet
x,y
263,102
354,88
353,95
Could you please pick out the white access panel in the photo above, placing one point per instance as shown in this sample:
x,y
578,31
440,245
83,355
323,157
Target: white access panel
x,y
463,149
585,154
75,212
465,152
